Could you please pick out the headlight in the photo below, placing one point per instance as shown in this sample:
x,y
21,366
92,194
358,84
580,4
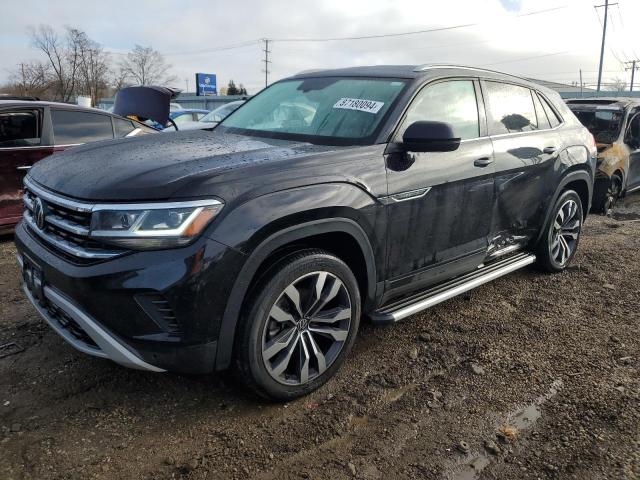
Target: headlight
x,y
152,225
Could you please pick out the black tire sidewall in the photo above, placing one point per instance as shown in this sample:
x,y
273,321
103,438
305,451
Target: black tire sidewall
x,y
270,287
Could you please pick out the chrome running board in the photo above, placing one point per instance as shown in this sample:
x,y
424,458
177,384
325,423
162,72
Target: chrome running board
x,y
421,301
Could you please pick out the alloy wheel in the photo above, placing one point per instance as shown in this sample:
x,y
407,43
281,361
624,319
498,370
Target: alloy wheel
x,y
613,193
565,233
307,327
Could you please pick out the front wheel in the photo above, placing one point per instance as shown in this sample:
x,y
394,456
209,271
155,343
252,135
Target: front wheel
x,y
299,325
562,233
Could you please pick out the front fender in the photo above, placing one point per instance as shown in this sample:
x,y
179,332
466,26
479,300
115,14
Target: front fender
x,y
262,225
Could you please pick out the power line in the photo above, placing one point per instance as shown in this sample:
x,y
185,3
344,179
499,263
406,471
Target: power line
x,y
524,58
401,34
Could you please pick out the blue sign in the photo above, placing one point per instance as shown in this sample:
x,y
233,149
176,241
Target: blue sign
x,y
206,84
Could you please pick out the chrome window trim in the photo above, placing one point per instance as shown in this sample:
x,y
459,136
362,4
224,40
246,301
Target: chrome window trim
x,y
31,147
133,132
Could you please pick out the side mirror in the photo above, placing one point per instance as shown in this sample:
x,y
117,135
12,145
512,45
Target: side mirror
x,y
427,136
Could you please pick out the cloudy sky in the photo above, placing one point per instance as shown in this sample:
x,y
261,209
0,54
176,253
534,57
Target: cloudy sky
x,y
547,39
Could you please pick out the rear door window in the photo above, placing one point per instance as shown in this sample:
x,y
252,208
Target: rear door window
x,y
20,128
511,108
543,121
71,127
554,119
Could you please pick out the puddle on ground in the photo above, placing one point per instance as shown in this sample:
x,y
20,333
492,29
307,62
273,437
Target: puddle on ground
x,y
522,419
397,393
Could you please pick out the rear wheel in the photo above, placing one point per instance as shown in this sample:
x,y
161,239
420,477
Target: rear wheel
x,y
606,194
300,323
562,234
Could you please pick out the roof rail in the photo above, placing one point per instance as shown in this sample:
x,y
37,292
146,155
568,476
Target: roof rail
x,y
427,66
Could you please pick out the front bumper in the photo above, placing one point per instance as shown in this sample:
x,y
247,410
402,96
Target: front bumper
x,y
79,329
106,309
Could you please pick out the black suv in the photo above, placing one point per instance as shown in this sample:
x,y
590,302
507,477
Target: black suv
x,y
331,194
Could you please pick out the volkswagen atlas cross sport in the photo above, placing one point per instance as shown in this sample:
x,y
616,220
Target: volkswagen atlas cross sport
x,y
331,195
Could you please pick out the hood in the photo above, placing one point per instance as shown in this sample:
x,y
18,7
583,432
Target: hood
x,y
155,167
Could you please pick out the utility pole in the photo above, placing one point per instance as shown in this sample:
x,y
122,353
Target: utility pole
x,y
581,94
604,34
633,69
266,61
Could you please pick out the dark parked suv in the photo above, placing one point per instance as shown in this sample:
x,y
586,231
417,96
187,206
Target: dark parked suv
x,y
332,194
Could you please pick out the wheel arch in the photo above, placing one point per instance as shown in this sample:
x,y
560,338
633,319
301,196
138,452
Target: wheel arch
x,y
305,235
577,179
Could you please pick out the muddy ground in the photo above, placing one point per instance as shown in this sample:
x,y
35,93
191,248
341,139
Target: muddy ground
x,y
532,376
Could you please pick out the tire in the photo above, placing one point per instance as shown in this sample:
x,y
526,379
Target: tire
x,y
606,194
562,233
291,340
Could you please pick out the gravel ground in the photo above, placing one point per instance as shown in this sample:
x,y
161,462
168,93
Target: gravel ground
x,y
534,376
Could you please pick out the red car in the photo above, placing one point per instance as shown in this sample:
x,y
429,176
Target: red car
x,y
31,130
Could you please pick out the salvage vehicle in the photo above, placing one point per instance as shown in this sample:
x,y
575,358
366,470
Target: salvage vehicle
x,y
31,130
615,124
260,245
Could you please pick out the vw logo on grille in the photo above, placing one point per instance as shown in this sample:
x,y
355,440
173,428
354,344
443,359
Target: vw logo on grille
x,y
38,213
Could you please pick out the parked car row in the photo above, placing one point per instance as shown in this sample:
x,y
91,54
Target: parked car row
x,y
31,130
259,245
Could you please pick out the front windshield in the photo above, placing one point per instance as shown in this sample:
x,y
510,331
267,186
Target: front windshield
x,y
604,125
220,113
318,109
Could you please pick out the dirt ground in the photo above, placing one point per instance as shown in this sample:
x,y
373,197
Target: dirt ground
x,y
533,376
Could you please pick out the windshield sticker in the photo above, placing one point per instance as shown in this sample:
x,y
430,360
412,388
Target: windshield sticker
x,y
369,106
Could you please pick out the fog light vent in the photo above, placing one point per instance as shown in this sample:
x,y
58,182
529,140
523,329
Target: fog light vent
x,y
159,310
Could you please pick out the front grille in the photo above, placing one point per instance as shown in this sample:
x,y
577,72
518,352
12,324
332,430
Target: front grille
x,y
66,225
69,324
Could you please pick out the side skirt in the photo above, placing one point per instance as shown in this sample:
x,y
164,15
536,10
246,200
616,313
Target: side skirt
x,y
400,309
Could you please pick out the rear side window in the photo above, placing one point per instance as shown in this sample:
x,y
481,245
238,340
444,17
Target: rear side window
x,y
80,127
511,108
543,121
123,127
20,128
551,113
453,102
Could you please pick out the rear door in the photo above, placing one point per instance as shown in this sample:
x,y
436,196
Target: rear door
x,y
526,147
21,145
75,127
440,203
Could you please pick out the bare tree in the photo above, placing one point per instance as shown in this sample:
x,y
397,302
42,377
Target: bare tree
x,y
94,68
30,79
146,66
618,85
63,56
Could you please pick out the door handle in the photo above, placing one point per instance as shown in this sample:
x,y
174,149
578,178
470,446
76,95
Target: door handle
x,y
549,150
23,167
483,162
